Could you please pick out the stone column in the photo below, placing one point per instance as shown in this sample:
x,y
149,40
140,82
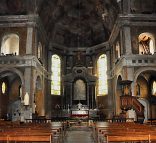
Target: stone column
x,y
28,83
88,94
71,94
121,42
29,40
93,95
108,62
127,40
33,90
130,76
126,6
94,64
109,77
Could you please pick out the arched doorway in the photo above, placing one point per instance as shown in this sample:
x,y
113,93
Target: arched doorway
x,y
10,95
145,78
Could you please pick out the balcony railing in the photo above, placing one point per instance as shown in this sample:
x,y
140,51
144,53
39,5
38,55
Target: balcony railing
x,y
20,61
134,61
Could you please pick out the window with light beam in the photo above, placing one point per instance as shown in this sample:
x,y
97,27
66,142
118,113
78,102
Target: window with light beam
x,y
56,75
102,75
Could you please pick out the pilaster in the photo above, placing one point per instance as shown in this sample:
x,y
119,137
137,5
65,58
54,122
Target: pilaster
x,y
127,40
29,40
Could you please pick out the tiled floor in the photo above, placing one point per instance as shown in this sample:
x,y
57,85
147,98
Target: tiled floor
x,y
79,135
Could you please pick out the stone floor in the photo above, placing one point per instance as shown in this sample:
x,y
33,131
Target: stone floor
x,y
79,134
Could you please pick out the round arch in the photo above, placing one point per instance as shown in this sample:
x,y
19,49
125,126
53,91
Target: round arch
x,y
139,71
14,82
136,75
14,70
145,92
146,43
10,44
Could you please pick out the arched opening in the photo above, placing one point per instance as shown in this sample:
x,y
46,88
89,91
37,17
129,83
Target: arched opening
x,y
10,44
10,95
146,81
142,92
141,87
56,75
146,43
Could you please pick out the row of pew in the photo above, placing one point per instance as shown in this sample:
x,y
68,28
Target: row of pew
x,y
104,132
52,132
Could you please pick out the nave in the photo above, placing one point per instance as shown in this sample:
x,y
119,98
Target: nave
x,y
76,132
79,135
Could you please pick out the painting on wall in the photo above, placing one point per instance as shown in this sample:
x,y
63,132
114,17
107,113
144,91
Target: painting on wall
x,y
79,90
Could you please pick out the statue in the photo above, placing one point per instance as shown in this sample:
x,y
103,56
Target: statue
x,y
79,106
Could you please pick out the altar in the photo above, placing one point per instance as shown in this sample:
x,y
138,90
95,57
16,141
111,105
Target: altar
x,y
80,114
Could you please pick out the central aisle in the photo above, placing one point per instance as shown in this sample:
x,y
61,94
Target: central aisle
x,y
79,135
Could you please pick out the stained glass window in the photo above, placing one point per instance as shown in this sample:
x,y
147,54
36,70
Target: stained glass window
x,y
102,75
56,76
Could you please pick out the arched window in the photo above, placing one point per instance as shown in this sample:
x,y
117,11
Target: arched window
x,y
10,44
154,88
39,50
3,87
146,44
20,91
102,75
56,75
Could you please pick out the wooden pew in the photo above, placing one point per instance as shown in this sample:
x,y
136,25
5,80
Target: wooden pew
x,y
17,136
25,132
58,131
127,137
114,132
30,138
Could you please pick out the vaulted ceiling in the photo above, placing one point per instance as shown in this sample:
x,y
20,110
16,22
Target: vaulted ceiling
x,y
78,23
75,23
70,23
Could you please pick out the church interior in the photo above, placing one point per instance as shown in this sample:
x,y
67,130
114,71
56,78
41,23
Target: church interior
x,y
80,65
